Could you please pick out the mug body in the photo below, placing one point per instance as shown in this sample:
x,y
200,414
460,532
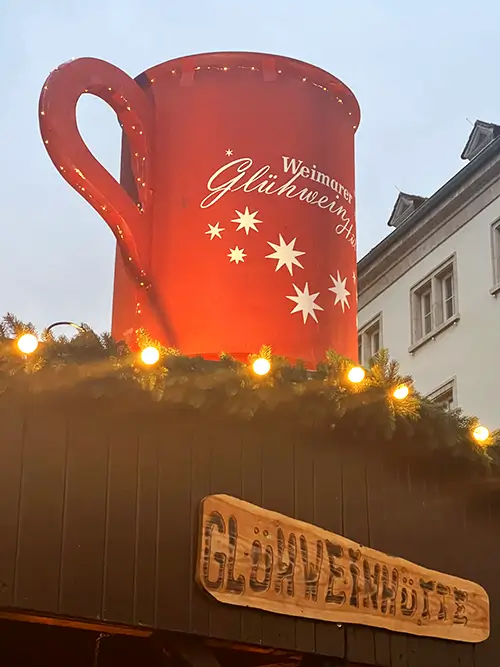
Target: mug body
x,y
251,238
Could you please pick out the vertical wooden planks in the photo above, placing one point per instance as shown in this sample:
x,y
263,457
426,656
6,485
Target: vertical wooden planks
x,y
421,511
121,518
463,655
305,630
278,493
224,442
200,487
11,466
146,522
378,522
399,650
251,491
360,640
328,500
451,538
173,581
412,650
82,563
486,543
430,546
91,487
41,510
396,534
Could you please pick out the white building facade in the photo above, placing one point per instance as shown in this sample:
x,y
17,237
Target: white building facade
x,y
430,291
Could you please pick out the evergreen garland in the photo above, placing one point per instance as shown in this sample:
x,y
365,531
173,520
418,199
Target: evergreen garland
x,y
100,366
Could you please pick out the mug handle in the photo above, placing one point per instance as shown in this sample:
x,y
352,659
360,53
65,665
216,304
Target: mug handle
x,y
126,218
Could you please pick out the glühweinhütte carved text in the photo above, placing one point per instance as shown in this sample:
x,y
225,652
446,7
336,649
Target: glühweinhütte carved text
x,y
251,557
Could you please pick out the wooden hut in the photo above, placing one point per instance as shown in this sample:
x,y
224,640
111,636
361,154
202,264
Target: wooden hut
x,y
107,511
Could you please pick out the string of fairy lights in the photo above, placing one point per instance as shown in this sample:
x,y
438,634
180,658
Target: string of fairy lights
x,y
252,68
150,355
136,131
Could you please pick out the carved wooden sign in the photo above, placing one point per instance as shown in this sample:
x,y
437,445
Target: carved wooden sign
x,y
251,557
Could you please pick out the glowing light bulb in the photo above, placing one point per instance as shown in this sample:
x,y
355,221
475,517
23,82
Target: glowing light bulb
x,y
150,355
480,433
27,343
356,374
261,366
401,392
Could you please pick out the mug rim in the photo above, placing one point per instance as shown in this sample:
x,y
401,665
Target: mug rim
x,y
221,59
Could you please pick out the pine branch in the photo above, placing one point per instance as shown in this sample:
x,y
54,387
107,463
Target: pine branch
x,y
324,397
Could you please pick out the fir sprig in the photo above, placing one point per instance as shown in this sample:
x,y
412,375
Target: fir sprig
x,y
98,364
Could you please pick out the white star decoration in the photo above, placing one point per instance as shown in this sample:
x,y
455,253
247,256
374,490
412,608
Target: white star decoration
x,y
215,230
340,291
247,220
285,254
237,255
229,152
305,303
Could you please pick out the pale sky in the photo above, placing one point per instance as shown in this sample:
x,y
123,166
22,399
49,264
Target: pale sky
x,y
418,69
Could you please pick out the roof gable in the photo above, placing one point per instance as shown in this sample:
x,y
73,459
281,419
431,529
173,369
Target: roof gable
x,y
405,205
481,136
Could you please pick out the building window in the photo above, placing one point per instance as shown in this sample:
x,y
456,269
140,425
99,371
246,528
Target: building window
x,y
434,301
445,395
369,340
495,252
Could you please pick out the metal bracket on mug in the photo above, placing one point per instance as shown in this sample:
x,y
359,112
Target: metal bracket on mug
x,y
269,69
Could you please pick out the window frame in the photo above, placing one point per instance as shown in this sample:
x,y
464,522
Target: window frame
x,y
434,283
495,255
372,326
442,390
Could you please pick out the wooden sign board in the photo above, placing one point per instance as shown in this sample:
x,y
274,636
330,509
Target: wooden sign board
x,y
251,557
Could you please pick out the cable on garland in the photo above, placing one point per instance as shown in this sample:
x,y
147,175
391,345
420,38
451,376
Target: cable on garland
x,y
376,397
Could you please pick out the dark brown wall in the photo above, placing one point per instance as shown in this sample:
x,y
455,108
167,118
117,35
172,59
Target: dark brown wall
x,y
99,519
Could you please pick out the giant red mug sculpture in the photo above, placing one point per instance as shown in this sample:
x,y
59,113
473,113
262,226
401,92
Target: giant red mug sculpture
x,y
234,218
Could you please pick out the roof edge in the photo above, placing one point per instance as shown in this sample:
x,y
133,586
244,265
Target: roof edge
x,y
426,209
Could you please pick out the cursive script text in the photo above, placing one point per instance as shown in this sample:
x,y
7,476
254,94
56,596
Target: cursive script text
x,y
242,175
